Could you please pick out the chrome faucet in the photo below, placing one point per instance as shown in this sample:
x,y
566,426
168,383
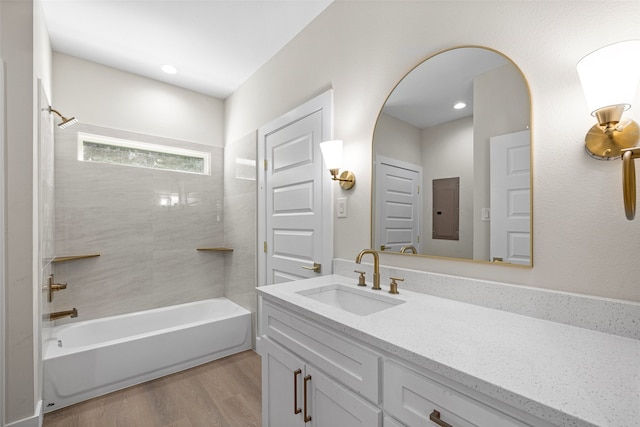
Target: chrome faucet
x,y
376,266
60,314
408,248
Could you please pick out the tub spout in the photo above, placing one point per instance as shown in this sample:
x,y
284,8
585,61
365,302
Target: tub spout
x,y
60,314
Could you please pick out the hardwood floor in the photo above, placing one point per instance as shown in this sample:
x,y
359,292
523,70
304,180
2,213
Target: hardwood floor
x,y
223,393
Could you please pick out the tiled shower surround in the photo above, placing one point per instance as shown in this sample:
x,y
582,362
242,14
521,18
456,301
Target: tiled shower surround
x,y
147,247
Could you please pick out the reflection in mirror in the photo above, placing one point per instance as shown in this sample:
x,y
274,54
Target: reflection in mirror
x,y
452,161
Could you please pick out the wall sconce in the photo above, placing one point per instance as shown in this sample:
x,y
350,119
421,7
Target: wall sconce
x,y
332,154
609,78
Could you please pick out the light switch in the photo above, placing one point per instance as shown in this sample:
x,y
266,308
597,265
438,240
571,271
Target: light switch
x,y
486,216
342,207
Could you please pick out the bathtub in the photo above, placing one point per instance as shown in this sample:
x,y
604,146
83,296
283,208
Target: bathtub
x,y
90,358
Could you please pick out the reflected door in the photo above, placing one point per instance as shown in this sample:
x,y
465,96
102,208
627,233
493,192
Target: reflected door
x,y
398,205
510,195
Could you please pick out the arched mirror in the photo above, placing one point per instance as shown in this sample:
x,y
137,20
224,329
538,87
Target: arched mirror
x,y
452,161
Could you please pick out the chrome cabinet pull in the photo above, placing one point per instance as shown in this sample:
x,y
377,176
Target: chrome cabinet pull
x,y
435,417
296,410
316,267
307,417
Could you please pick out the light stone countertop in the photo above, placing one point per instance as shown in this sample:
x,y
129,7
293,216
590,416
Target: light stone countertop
x,y
566,375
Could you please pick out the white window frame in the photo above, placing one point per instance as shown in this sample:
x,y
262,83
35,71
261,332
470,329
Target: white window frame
x,y
125,143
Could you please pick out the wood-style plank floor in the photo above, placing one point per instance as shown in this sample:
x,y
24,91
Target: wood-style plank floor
x,y
223,393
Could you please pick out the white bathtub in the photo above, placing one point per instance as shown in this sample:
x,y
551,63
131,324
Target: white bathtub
x,y
87,359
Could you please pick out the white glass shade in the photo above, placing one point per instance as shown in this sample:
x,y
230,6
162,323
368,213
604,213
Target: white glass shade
x,y
332,153
610,75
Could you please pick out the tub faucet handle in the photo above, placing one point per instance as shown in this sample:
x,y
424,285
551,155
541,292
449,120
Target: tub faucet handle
x,y
52,287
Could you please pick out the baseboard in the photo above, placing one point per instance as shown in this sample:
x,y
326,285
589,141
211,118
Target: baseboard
x,y
33,421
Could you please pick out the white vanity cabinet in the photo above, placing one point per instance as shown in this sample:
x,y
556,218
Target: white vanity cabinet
x,y
313,377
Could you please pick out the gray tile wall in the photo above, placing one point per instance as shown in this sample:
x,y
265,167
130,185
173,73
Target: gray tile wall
x,y
148,254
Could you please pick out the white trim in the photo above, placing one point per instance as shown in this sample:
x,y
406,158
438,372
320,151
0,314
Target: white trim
x,y
324,103
33,421
3,322
117,142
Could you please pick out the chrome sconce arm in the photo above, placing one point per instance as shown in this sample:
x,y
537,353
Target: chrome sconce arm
x,y
629,181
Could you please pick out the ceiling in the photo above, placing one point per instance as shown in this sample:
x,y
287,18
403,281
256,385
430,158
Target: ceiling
x,y
215,45
425,97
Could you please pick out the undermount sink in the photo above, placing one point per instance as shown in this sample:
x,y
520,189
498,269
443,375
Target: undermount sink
x,y
351,299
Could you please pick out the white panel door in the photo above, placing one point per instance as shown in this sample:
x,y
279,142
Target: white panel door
x,y
510,175
295,191
398,205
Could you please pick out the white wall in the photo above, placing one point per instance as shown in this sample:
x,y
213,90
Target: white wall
x,y
448,153
397,140
582,241
500,106
20,380
26,52
103,96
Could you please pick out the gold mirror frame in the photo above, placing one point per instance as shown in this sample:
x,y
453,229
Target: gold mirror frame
x,y
530,120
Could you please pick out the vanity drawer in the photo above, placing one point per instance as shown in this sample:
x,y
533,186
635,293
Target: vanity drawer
x,y
412,398
353,365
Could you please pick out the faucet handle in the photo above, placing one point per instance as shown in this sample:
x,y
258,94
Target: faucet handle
x,y
394,286
361,281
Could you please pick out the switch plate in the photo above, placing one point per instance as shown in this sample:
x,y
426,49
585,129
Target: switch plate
x,y
486,216
342,207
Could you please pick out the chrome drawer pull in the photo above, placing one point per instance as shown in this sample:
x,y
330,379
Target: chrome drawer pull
x,y
307,417
435,417
296,410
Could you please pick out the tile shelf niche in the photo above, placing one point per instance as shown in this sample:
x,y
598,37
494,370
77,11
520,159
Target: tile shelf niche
x,y
73,257
219,249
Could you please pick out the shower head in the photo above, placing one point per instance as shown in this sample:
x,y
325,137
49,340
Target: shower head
x,y
66,122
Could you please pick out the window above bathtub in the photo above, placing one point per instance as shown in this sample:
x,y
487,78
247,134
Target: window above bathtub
x,y
103,149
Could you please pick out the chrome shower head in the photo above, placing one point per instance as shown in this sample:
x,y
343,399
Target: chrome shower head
x,y
66,122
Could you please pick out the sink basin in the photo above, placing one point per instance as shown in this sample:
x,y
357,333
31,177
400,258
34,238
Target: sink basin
x,y
351,299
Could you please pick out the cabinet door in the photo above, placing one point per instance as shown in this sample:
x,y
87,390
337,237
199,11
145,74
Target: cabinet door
x,y
282,376
332,405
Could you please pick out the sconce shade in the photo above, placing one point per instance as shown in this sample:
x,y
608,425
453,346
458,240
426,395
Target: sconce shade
x,y
610,75
332,153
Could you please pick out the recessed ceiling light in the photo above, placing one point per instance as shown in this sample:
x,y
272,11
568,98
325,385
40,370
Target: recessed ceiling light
x,y
459,105
169,69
